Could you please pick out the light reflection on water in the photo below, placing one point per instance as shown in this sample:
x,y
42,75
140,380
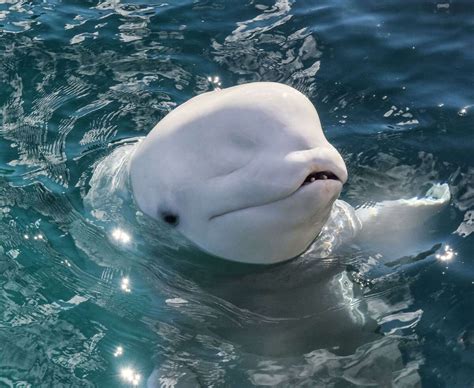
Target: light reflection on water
x,y
118,351
129,375
447,255
125,284
121,236
77,79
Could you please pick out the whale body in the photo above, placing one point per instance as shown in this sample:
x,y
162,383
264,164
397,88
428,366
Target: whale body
x,y
246,174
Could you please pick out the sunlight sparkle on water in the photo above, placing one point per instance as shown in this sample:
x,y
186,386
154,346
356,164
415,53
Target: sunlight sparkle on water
x,y
447,255
118,351
215,81
465,110
125,284
121,236
130,376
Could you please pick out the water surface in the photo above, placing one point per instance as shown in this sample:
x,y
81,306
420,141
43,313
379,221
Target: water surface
x,y
89,304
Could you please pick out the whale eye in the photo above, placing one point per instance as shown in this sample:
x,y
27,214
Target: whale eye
x,y
170,218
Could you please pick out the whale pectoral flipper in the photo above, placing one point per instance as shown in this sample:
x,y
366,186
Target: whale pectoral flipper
x,y
404,214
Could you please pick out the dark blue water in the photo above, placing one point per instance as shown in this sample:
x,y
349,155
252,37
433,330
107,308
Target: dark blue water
x,y
393,85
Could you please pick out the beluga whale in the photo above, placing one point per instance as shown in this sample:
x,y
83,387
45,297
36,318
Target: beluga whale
x,y
246,174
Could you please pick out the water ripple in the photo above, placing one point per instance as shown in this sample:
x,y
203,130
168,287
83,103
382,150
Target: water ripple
x,y
81,80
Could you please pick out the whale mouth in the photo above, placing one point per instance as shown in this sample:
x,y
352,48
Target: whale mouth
x,y
318,176
311,178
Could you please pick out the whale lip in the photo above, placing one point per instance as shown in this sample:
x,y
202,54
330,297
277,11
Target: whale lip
x,y
302,187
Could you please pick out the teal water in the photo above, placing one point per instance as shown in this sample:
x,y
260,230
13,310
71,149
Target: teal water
x,y
393,85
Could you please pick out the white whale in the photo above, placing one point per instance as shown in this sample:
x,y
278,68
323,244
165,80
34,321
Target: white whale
x,y
246,174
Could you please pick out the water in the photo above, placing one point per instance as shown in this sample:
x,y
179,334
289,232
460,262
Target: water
x,y
96,304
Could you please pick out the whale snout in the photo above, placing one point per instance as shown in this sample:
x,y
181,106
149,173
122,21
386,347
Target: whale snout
x,y
317,164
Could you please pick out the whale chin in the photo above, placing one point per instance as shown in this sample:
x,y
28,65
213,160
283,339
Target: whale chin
x,y
274,232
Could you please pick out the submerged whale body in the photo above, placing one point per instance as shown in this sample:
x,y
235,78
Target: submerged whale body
x,y
246,174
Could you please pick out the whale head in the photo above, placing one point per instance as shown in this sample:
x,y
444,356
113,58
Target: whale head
x,y
245,173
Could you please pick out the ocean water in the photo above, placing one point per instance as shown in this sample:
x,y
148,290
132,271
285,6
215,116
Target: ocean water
x,y
86,303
